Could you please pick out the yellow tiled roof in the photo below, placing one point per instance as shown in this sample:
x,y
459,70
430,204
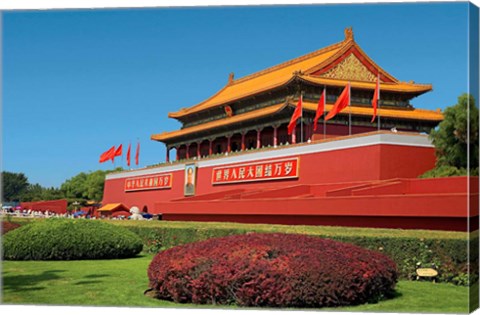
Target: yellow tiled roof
x,y
263,80
384,86
415,114
113,206
283,73
219,123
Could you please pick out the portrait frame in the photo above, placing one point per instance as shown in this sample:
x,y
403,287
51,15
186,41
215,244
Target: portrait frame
x,y
190,179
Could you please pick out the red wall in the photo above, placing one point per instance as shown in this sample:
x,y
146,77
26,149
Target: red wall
x,y
57,206
372,162
397,203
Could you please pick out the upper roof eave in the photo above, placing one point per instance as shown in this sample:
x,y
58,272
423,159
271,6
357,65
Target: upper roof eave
x,y
404,87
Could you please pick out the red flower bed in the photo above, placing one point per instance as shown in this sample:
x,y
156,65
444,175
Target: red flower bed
x,y
9,226
281,270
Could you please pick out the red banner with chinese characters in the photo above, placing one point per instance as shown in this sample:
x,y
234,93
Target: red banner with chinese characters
x,y
258,171
158,181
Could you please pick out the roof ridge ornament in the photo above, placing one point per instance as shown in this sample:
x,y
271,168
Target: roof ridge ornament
x,y
349,33
297,73
231,77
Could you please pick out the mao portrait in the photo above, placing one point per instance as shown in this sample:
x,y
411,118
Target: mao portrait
x,y
190,174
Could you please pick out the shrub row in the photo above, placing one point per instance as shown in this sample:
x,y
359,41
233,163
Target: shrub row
x,y
447,251
66,239
276,270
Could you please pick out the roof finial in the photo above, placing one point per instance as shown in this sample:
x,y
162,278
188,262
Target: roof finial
x,y
349,33
230,77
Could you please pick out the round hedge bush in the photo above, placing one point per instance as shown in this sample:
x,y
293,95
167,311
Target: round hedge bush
x,y
67,239
276,270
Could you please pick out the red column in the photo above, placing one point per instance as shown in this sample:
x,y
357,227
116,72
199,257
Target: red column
x,y
294,135
228,144
210,147
178,155
198,149
275,136
243,141
168,155
187,155
258,139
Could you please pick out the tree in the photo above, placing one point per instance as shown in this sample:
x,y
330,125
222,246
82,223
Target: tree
x,y
75,187
94,185
85,186
14,185
33,193
456,140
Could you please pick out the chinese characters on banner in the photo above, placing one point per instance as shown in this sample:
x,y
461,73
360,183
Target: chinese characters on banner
x,y
158,181
259,171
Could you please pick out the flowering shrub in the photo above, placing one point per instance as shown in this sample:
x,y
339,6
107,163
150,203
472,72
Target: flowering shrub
x,y
9,226
67,239
279,270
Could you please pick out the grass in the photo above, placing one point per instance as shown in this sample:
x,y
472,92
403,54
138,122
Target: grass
x,y
122,282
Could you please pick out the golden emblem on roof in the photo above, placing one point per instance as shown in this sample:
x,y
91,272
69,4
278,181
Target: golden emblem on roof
x,y
349,33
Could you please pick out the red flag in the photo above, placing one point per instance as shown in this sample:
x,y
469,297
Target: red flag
x,y
137,154
128,154
376,96
118,151
342,102
296,114
320,109
107,155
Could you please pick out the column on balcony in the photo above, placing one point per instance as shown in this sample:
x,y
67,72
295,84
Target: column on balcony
x,y
259,143
198,149
229,143
177,157
210,143
275,135
243,133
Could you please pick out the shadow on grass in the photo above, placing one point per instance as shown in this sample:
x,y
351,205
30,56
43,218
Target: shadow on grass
x,y
96,276
93,277
87,282
19,283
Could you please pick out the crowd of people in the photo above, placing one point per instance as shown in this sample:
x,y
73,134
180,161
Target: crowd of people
x,y
29,213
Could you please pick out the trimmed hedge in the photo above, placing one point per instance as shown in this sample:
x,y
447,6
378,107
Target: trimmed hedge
x,y
66,239
409,249
277,270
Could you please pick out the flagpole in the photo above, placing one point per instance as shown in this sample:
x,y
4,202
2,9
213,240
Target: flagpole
x,y
378,100
301,117
324,108
349,109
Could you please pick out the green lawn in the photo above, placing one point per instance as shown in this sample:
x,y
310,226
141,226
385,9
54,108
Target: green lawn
x,y
122,283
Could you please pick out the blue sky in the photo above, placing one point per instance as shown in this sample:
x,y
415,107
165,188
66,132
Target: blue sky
x,y
76,82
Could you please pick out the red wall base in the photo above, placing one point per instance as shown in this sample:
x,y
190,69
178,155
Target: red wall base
x,y
435,204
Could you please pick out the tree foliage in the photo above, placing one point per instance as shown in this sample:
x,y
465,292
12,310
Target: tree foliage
x,y
14,186
456,140
80,188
